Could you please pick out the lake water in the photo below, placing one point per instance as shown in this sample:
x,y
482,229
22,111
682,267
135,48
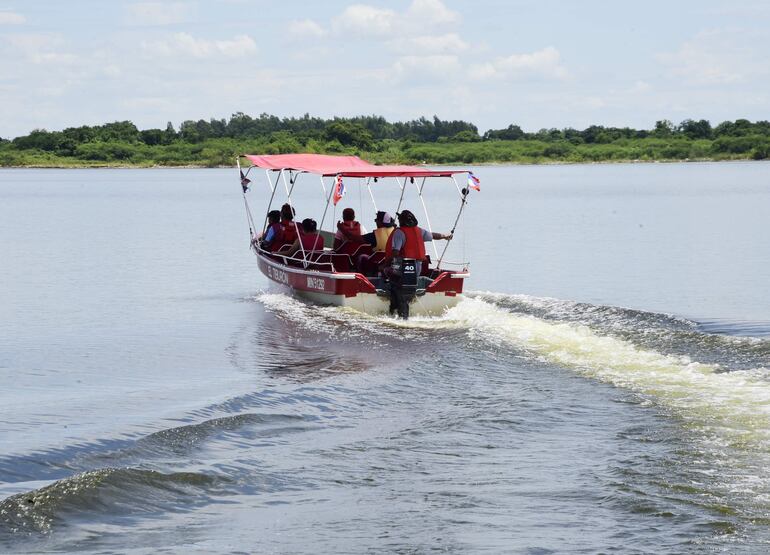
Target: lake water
x,y
604,387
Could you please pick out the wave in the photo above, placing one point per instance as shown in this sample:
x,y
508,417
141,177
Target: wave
x,y
175,443
121,491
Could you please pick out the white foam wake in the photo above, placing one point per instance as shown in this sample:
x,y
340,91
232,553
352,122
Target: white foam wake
x,y
734,403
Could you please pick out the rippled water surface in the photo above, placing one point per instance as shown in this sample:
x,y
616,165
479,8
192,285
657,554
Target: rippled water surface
x,y
604,387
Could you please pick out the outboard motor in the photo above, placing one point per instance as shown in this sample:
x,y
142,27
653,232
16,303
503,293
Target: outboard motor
x,y
403,286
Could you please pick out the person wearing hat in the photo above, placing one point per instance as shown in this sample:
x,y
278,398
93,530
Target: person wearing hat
x,y
378,239
408,240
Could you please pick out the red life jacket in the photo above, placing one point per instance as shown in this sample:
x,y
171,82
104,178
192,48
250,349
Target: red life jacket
x,y
311,241
288,232
414,245
352,228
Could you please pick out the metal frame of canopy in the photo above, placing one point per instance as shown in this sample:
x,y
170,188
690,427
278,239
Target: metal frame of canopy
x,y
343,166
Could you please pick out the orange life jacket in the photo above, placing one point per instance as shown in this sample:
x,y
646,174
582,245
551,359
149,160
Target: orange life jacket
x,y
414,245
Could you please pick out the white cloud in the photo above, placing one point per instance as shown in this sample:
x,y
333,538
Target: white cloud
x,y
431,12
545,62
306,28
158,13
41,49
185,45
363,20
420,67
718,57
430,44
11,18
370,21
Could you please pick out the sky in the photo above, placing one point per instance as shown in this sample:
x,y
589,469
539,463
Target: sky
x,y
534,63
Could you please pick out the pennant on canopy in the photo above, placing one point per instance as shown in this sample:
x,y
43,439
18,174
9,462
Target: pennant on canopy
x,y
474,182
339,190
245,182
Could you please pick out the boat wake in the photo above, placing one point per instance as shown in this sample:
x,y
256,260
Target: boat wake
x,y
714,389
719,383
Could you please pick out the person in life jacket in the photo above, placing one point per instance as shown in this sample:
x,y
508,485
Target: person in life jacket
x,y
408,241
273,232
378,240
289,231
309,239
349,233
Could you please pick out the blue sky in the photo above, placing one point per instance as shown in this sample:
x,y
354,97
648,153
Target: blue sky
x,y
544,63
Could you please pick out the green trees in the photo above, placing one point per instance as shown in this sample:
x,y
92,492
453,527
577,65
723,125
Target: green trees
x,y
510,133
217,141
349,134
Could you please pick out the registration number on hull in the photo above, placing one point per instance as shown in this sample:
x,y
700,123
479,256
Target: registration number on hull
x,y
316,283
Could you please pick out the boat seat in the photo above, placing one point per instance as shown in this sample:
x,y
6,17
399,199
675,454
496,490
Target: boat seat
x,y
325,260
363,248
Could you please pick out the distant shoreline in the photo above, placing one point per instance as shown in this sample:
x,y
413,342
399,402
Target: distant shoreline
x,y
87,166
216,143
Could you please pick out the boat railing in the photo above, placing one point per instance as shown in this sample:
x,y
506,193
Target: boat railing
x,y
310,260
455,266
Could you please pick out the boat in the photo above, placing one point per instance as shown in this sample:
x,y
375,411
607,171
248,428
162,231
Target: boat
x,y
328,277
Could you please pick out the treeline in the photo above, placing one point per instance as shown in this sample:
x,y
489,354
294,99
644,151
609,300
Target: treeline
x,y
216,142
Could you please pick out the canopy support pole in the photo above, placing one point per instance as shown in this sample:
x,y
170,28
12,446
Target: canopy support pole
x,y
425,210
296,227
403,188
371,195
249,217
328,201
273,187
463,202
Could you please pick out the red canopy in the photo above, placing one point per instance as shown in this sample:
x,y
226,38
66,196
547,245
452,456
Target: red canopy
x,y
348,166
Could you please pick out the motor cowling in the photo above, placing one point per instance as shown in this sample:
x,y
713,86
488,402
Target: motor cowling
x,y
403,285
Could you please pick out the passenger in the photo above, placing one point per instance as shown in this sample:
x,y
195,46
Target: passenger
x,y
309,238
289,231
273,233
408,241
378,240
348,231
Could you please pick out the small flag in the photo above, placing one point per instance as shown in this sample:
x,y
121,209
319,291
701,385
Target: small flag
x,y
245,182
474,182
339,190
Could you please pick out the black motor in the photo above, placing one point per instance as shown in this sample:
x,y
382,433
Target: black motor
x,y
403,286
